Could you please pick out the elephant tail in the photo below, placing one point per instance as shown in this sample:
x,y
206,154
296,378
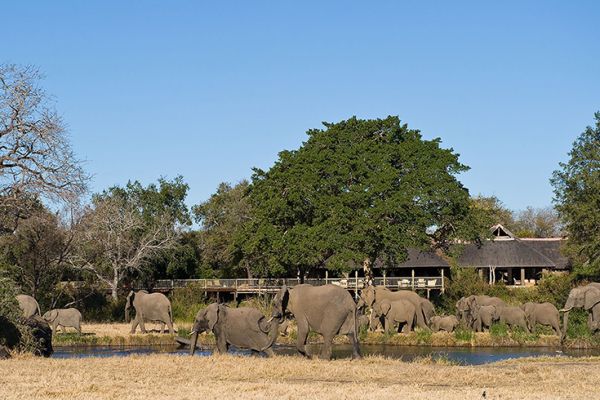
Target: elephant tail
x,y
170,313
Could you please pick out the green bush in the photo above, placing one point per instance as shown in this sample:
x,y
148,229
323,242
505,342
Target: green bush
x,y
423,336
186,302
578,328
13,333
463,335
499,330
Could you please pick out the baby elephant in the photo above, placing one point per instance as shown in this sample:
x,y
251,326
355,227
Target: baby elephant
x,y
395,312
66,317
511,316
446,323
482,316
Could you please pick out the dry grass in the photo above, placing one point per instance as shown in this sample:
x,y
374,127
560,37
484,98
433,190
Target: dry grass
x,y
182,377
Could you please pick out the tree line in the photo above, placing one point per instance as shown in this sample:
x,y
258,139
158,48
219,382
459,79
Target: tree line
x,y
355,192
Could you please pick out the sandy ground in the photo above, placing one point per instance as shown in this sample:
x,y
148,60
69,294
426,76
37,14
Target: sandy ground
x,y
183,377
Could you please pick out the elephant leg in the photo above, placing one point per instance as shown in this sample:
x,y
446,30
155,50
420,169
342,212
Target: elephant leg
x,y
254,353
326,349
170,325
269,352
302,336
78,328
134,325
222,345
556,328
162,327
142,324
409,323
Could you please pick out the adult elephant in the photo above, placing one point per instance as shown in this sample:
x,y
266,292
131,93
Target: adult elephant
x,y
372,294
328,310
29,305
149,307
543,314
588,298
243,327
466,304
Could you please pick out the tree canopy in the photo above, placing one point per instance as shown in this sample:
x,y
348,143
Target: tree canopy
x,y
356,191
577,198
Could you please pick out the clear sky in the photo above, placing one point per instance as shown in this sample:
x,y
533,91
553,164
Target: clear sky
x,y
209,90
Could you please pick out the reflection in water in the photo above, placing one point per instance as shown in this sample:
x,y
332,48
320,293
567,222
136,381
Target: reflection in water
x,y
460,355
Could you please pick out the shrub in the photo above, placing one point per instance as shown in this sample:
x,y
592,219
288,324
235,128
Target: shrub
x,y
463,335
187,301
499,330
13,333
578,328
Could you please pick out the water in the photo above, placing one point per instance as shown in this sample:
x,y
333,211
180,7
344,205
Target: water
x,y
459,355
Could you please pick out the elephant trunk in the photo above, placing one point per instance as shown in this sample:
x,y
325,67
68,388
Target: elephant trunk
x,y
273,332
193,343
565,323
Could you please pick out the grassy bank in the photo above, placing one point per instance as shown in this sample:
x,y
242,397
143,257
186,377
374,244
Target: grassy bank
x,y
499,336
176,377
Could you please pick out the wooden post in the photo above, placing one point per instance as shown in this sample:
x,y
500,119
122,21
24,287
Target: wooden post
x,y
384,281
412,279
442,280
522,276
326,276
356,283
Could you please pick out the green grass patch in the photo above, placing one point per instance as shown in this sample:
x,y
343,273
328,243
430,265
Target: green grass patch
x,y
463,335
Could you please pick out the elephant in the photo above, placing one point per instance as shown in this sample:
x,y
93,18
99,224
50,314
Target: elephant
x,y
67,317
483,317
149,307
446,323
543,314
395,312
328,310
371,294
243,327
465,304
428,310
29,305
588,298
511,316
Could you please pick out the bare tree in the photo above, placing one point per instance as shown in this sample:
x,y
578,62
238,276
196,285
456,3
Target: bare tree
x,y
114,240
538,222
36,159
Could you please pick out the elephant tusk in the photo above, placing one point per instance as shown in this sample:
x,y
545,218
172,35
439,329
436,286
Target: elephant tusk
x,y
192,332
270,319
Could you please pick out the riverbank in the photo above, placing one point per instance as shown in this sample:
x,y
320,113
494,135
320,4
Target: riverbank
x,y
176,377
118,335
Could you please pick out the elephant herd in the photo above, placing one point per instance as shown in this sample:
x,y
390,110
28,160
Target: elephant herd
x,y
480,312
330,310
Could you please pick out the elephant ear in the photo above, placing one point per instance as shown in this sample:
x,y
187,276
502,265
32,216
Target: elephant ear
x,y
385,307
212,315
592,297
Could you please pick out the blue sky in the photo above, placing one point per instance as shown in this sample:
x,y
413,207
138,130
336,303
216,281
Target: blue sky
x,y
209,90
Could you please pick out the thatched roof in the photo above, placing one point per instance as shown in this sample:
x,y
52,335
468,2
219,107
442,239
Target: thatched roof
x,y
551,248
515,253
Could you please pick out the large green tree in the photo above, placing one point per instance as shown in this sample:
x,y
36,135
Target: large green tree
x,y
356,191
221,217
577,199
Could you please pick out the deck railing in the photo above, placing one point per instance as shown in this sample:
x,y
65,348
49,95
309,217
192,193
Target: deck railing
x,y
269,285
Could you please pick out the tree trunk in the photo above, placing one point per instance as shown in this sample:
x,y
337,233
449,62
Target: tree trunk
x,y
115,284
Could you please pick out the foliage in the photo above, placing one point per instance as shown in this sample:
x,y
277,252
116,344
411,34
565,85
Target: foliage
x,y
499,330
354,192
186,302
537,222
221,217
463,335
35,255
125,229
578,325
10,318
577,199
